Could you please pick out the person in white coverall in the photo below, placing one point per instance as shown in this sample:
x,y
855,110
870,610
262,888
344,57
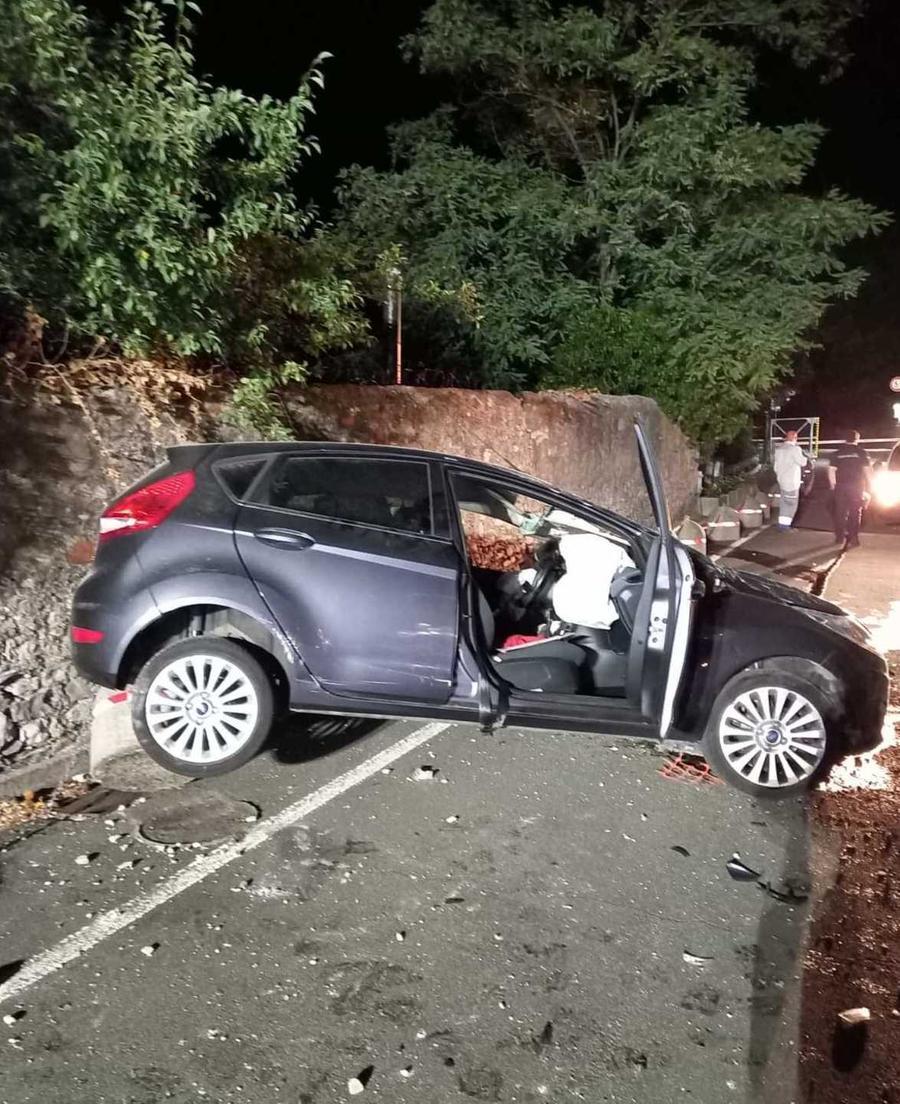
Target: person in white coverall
x,y
790,461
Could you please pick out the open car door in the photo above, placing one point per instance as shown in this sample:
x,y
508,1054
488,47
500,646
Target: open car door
x,y
662,626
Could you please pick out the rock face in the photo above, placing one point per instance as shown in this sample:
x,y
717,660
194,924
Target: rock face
x,y
64,457
60,463
580,441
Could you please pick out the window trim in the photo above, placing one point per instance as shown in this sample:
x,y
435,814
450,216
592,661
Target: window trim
x,y
262,458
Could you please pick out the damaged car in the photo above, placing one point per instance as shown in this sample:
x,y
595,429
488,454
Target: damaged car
x,y
240,581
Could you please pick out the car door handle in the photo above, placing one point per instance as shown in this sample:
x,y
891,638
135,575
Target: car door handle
x,y
284,538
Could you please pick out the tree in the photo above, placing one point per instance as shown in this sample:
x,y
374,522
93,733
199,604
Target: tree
x,y
606,199
144,206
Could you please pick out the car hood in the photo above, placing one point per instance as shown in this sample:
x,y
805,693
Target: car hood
x,y
748,582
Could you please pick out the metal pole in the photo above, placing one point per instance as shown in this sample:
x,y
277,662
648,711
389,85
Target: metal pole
x,y
398,345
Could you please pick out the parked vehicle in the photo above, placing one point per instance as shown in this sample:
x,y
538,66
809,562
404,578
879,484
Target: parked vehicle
x,y
240,580
886,488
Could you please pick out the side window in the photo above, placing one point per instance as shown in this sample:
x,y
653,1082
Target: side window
x,y
494,541
393,494
237,475
505,530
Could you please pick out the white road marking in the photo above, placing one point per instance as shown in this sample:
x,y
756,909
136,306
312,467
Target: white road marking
x,y
80,942
737,544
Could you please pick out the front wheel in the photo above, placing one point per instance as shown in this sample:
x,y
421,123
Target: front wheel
x,y
769,733
202,706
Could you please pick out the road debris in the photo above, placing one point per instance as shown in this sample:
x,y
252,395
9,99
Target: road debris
x,y
679,850
86,859
791,893
545,1038
454,819
407,1071
426,773
696,960
357,1084
12,1018
400,936
150,949
739,870
851,1017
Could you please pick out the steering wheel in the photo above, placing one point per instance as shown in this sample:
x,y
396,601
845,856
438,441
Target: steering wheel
x,y
549,568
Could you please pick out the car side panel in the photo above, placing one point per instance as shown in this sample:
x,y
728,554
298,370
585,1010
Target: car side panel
x,y
733,631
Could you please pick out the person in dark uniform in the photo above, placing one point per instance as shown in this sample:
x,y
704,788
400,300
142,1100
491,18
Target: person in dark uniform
x,y
850,476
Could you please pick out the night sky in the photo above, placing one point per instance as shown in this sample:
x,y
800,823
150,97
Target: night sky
x,y
266,45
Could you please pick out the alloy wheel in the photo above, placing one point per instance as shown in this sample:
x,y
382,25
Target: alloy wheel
x,y
772,736
201,708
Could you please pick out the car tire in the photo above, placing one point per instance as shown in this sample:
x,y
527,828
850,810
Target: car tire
x,y
202,706
766,721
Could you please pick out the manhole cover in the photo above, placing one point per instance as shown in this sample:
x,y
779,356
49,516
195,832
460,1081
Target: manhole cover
x,y
192,816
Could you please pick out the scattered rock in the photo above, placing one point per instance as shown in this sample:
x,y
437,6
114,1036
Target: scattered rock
x,y
454,819
12,1018
853,1016
357,1084
87,859
400,936
426,773
150,949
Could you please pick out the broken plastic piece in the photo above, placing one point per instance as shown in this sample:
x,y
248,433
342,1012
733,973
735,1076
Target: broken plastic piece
x,y
425,773
679,850
791,894
696,960
850,1017
739,870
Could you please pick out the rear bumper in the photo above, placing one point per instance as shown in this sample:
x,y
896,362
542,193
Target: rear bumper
x,y
104,608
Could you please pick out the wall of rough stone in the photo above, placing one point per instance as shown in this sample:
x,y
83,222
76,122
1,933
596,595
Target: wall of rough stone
x,y
63,457
583,442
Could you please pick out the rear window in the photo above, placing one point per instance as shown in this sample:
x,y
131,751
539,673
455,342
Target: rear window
x,y
393,494
237,475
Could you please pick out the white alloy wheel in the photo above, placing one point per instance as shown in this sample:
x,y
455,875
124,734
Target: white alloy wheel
x,y
772,736
201,709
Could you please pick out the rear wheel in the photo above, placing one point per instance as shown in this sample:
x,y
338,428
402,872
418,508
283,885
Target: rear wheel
x,y
202,706
770,733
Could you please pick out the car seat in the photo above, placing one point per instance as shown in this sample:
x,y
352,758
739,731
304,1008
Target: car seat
x,y
553,666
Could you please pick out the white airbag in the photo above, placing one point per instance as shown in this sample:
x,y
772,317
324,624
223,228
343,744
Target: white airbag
x,y
581,597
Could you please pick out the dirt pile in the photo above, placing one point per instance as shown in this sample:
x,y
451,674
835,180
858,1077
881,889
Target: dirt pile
x,y
854,954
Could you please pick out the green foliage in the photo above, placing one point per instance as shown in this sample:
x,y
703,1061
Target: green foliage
x,y
258,403
607,202
141,204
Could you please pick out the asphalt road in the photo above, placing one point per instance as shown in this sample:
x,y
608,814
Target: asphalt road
x,y
514,929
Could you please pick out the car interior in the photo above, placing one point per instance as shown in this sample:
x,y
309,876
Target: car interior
x,y
556,595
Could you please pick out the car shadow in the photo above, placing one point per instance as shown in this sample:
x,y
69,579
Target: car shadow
x,y
302,737
776,964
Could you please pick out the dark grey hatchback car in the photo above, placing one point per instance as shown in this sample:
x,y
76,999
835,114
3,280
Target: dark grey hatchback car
x,y
238,581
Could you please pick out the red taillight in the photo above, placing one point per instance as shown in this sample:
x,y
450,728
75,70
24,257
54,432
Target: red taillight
x,y
86,636
146,508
